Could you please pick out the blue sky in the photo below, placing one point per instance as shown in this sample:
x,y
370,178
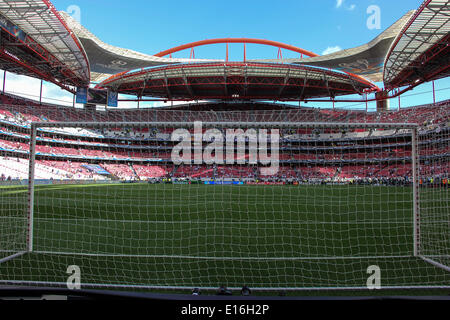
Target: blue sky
x,y
153,26
150,26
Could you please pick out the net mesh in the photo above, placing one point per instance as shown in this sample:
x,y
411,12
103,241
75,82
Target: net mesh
x,y
434,220
110,199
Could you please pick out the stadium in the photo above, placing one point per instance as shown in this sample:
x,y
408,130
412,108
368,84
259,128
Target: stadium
x,y
98,187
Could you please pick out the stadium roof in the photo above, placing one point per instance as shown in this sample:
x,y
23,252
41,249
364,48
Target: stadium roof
x,y
37,40
366,60
280,45
106,60
237,80
421,51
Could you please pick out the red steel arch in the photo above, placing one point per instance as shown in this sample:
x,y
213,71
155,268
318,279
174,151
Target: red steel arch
x,y
236,40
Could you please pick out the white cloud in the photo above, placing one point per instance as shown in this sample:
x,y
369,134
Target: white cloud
x,y
330,50
340,3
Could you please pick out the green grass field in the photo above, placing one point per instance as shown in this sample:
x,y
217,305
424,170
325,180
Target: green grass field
x,y
206,236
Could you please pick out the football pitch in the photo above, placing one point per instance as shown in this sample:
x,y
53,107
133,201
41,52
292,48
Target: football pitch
x,y
157,236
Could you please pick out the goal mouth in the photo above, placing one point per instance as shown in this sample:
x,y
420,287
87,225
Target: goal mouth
x,y
274,206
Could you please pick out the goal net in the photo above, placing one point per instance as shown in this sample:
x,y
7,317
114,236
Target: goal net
x,y
273,206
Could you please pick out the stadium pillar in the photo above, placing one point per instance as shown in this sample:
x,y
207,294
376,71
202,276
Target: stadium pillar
x,y
434,93
4,81
227,53
280,54
40,94
245,53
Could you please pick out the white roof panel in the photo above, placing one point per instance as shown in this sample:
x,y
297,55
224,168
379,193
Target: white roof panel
x,y
41,21
424,30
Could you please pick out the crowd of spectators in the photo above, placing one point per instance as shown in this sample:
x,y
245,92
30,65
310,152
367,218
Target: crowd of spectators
x,y
121,153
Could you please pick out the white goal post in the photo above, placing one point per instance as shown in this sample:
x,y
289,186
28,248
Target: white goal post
x,y
278,206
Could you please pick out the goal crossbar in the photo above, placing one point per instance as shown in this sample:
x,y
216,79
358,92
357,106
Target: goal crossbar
x,y
307,125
